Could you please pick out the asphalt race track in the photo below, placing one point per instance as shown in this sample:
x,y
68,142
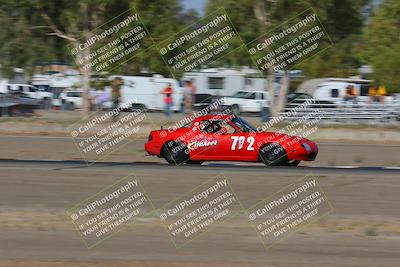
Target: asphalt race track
x,y
37,194
363,228
213,167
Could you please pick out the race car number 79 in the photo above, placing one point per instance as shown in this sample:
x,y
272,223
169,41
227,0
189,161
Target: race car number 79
x,y
238,142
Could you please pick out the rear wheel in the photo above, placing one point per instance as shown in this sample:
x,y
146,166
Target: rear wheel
x,y
174,152
273,154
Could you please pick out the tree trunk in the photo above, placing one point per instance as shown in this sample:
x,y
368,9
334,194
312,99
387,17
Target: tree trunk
x,y
86,93
277,102
261,9
283,90
86,71
271,91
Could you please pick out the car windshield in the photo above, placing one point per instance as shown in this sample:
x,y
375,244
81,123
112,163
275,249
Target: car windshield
x,y
240,94
74,94
298,97
243,125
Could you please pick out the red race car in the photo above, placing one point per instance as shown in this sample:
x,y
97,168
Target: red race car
x,y
228,138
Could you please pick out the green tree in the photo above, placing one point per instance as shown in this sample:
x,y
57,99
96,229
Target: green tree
x,y
37,30
163,19
343,21
382,45
255,18
20,45
342,18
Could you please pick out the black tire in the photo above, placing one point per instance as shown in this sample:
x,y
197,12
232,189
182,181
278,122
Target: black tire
x,y
273,154
136,107
194,162
292,163
236,109
175,152
46,103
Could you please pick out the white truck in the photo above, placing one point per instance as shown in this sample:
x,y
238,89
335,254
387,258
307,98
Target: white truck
x,y
71,99
28,90
247,102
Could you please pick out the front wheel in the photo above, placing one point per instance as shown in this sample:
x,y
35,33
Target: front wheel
x,y
273,154
175,152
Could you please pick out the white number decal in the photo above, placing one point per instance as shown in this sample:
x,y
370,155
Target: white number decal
x,y
235,139
238,142
250,140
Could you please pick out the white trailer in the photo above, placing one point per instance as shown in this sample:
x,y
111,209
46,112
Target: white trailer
x,y
334,90
227,82
146,92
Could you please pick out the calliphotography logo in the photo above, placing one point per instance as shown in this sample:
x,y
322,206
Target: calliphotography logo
x,y
199,133
291,129
190,216
106,132
201,137
199,211
112,44
204,42
290,43
111,210
216,108
289,210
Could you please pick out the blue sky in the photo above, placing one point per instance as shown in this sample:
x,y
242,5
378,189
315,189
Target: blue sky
x,y
195,4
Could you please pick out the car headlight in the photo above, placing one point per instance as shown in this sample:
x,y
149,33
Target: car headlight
x,y
307,147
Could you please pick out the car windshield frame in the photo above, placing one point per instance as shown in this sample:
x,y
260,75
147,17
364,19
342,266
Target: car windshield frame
x,y
240,94
73,94
243,125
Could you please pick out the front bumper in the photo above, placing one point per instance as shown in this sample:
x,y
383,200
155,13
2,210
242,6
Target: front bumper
x,y
305,151
312,156
153,148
